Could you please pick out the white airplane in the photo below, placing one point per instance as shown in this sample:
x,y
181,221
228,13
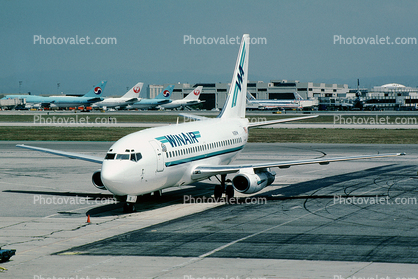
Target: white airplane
x,y
157,158
297,103
129,98
191,99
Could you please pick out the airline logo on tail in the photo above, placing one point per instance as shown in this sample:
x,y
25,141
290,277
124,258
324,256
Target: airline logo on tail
x,y
136,89
166,93
240,74
97,90
196,92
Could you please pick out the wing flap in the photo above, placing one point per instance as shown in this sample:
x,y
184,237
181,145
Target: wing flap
x,y
71,155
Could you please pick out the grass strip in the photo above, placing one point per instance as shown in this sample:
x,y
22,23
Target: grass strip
x,y
299,135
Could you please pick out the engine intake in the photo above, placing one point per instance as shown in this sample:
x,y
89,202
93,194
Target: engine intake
x,y
249,183
97,180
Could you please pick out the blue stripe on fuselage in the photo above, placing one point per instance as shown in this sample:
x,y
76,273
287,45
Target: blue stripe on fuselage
x,y
203,156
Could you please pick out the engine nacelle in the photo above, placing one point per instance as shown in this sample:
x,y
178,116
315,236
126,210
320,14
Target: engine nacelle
x,y
97,180
249,183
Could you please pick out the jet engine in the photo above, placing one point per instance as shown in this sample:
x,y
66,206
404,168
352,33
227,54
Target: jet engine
x,y
252,182
97,180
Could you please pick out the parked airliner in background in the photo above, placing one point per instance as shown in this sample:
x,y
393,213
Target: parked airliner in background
x,y
32,101
132,96
94,95
157,158
191,99
162,98
297,103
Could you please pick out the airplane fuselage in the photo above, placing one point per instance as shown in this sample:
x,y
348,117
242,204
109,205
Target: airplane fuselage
x,y
69,101
149,103
180,103
168,155
114,102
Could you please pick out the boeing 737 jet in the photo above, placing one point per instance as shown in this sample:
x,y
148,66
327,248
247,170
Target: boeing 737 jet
x,y
191,99
132,96
162,98
157,158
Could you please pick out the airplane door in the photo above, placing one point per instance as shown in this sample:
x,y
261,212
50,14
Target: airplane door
x,y
159,153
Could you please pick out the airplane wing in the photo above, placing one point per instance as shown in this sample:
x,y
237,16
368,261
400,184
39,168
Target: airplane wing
x,y
162,101
225,169
264,123
95,100
132,100
71,155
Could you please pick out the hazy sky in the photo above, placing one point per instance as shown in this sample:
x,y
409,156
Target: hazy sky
x,y
150,43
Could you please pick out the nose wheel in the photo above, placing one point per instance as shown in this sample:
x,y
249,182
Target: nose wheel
x,y
129,207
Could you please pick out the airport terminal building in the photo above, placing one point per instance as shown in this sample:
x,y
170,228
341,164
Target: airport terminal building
x,y
215,94
390,96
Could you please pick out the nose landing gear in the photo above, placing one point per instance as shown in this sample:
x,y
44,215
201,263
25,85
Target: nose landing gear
x,y
128,207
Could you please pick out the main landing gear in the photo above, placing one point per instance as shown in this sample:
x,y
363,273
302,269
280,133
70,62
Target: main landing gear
x,y
223,188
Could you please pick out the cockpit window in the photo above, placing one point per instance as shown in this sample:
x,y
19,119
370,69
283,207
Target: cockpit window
x,y
136,157
110,156
132,156
122,157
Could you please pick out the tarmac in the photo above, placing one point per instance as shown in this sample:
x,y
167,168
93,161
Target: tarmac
x,y
343,220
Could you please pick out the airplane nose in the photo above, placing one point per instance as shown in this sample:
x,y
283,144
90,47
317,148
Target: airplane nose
x,y
117,178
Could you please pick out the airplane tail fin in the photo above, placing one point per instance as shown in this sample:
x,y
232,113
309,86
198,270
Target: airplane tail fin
x,y
236,102
135,91
97,91
250,96
194,95
166,93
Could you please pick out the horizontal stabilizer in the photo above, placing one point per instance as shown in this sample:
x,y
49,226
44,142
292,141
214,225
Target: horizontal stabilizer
x,y
270,122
